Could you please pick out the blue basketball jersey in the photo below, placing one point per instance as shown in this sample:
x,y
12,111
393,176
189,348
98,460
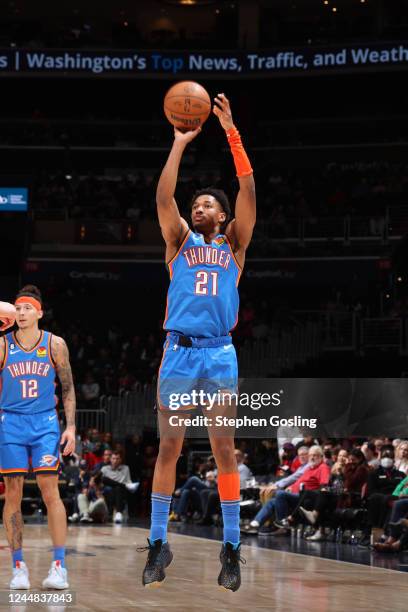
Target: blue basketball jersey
x,y
28,377
202,299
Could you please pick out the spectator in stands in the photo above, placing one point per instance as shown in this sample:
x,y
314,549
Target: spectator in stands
x,y
243,470
117,477
265,458
90,391
401,456
266,512
316,476
288,455
342,459
94,457
133,456
91,502
378,443
189,493
81,483
380,487
210,500
106,460
397,524
107,441
369,450
343,491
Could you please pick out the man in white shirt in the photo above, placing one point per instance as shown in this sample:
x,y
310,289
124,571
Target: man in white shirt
x,y
117,477
243,470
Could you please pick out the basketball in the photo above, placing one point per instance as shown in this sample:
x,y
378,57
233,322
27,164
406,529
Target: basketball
x,y
187,105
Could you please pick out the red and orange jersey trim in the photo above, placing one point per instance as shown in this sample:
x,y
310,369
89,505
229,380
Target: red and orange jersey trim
x,y
52,468
166,314
50,350
14,470
232,253
173,259
34,347
235,259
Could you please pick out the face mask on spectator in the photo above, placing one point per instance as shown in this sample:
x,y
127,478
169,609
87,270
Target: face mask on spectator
x,y
387,462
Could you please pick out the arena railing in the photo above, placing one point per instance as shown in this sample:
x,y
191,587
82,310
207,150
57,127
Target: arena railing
x,y
130,412
279,351
385,332
338,329
86,419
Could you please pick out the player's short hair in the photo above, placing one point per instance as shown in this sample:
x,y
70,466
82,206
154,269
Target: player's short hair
x,y
30,291
221,198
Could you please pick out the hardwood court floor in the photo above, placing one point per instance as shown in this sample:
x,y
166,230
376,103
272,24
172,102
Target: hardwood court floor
x,y
105,573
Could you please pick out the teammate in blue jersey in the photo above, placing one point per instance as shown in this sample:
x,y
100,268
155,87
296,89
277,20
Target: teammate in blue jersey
x,y
199,360
30,359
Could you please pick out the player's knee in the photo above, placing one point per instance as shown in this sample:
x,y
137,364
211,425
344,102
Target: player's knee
x,y
49,493
169,450
224,454
50,497
14,489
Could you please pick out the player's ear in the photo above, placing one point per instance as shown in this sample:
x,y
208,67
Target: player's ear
x,y
40,314
222,218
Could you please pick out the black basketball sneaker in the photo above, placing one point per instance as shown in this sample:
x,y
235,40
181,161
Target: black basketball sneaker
x,y
230,574
159,557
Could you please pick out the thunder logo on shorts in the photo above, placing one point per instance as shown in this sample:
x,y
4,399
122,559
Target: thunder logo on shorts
x,y
29,426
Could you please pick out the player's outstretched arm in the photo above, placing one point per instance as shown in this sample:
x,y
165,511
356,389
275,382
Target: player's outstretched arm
x,y
60,355
172,225
7,315
241,228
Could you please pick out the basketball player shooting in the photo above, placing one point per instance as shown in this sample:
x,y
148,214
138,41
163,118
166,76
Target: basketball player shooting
x,y
29,430
205,265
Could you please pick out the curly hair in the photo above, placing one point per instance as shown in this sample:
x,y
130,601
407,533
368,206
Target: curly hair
x,y
222,199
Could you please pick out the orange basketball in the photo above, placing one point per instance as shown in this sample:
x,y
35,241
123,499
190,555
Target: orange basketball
x,y
187,105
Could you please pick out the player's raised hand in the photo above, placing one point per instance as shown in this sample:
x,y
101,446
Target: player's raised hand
x,y
186,137
222,110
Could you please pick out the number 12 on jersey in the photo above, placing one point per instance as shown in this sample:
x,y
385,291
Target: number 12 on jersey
x,y
204,285
30,388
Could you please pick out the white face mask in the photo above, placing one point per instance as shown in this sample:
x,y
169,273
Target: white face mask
x,y
387,462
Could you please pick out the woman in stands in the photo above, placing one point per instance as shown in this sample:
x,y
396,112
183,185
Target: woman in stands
x,y
344,491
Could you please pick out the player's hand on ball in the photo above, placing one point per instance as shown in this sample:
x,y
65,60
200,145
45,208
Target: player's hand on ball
x,y
222,110
68,438
185,137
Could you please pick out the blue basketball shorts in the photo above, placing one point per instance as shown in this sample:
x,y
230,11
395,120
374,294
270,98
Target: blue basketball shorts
x,y
29,439
196,376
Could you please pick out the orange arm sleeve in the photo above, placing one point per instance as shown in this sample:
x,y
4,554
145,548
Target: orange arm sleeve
x,y
241,161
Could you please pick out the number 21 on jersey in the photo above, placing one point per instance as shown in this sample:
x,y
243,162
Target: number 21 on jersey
x,y
206,283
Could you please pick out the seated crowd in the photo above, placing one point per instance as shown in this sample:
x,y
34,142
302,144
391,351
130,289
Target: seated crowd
x,y
349,490
360,488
